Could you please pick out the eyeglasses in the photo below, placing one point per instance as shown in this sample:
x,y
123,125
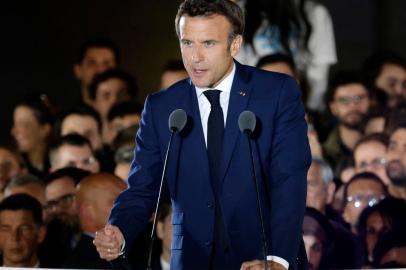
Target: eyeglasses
x,y
369,200
355,99
63,202
375,163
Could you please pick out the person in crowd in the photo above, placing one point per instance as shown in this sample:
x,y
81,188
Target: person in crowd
x,y
320,187
369,155
210,35
123,146
173,71
344,171
349,102
318,235
11,165
302,29
278,63
362,191
73,150
95,197
387,215
82,120
396,162
390,250
375,122
109,88
95,56
26,184
122,116
32,130
386,71
21,231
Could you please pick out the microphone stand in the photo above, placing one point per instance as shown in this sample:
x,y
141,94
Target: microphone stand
x,y
264,243
159,200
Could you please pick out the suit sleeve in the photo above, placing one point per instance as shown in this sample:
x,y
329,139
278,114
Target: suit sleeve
x,y
290,161
133,208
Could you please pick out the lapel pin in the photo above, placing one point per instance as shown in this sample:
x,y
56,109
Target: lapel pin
x,y
242,93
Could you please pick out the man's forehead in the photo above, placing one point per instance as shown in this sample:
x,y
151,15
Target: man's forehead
x,y
20,216
399,135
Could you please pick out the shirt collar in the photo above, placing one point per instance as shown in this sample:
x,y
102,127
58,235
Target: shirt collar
x,y
224,86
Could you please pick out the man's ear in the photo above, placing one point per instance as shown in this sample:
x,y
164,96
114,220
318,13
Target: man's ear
x,y
77,71
236,45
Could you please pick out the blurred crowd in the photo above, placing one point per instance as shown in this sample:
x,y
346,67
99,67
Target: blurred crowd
x,y
60,177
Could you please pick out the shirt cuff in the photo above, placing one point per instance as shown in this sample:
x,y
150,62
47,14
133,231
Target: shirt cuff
x,y
279,260
122,249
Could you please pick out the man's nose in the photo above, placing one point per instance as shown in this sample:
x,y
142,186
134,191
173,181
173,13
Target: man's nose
x,y
197,55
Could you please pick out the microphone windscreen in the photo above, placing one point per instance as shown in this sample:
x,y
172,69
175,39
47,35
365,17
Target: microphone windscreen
x,y
177,120
247,121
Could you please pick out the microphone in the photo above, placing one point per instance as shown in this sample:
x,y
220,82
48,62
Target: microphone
x,y
247,122
176,122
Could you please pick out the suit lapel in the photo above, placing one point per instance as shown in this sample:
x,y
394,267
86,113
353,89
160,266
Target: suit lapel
x,y
239,96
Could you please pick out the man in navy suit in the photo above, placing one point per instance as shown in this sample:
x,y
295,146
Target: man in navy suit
x,y
214,218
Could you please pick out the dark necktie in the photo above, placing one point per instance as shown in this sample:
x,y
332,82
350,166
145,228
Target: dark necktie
x,y
215,131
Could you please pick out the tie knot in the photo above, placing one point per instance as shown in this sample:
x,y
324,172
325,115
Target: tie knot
x,y
213,96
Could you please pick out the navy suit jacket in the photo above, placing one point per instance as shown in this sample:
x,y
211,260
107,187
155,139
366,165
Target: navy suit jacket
x,y
281,156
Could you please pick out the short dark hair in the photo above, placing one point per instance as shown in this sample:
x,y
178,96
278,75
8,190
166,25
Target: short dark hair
x,y
82,110
23,180
23,202
131,82
70,139
205,8
76,174
373,65
124,108
276,58
164,210
98,42
396,118
374,137
41,107
344,78
173,65
361,176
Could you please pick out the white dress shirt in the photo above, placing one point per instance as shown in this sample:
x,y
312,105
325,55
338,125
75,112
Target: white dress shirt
x,y
204,107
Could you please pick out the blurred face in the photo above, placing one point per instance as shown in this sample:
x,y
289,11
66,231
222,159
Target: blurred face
x,y
396,158
120,123
109,93
9,166
27,131
61,201
96,61
206,52
164,232
36,191
280,67
350,105
19,238
370,157
375,226
314,250
76,156
316,189
83,125
170,77
362,193
392,80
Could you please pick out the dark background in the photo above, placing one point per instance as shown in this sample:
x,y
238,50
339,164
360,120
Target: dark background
x,y
39,41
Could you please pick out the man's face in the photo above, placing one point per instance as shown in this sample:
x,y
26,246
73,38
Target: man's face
x,y
375,227
172,76
396,158
164,232
350,105
76,156
108,93
370,157
83,125
392,80
314,251
95,61
361,194
118,124
61,201
27,131
206,52
280,67
316,189
19,238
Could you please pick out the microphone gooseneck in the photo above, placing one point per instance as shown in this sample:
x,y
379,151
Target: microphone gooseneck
x,y
247,122
177,121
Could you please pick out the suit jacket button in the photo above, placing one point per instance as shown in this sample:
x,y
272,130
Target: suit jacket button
x,y
209,205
